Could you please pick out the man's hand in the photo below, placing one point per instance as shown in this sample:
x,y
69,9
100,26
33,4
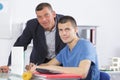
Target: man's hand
x,y
4,69
28,67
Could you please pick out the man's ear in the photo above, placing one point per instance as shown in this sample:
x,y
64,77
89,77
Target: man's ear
x,y
76,29
54,13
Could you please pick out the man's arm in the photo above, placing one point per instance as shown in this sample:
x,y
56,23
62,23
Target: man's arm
x,y
82,69
53,62
9,60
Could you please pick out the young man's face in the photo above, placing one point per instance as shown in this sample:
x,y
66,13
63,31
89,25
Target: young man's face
x,y
67,32
46,18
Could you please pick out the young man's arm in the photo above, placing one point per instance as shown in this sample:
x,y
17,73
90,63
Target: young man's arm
x,y
53,62
82,69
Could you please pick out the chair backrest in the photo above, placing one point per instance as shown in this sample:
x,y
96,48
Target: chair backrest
x,y
104,76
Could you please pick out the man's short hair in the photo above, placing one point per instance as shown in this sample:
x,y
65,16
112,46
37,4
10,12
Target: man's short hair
x,y
66,19
42,6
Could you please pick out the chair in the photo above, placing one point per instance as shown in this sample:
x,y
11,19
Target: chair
x,y
104,76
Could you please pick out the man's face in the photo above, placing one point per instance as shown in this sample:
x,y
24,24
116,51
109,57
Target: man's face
x,y
67,32
46,18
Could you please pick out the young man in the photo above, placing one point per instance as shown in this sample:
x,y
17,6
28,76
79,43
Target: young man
x,y
77,57
43,31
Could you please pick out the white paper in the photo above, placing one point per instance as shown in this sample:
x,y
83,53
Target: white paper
x,y
17,66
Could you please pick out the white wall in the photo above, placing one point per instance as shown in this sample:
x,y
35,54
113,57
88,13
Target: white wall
x,y
102,13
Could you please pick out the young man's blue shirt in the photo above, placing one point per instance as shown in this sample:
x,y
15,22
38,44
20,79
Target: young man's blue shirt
x,y
83,50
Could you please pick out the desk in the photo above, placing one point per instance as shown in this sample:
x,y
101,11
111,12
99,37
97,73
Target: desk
x,y
114,75
8,76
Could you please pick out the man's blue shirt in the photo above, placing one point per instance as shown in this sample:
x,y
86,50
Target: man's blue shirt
x,y
83,50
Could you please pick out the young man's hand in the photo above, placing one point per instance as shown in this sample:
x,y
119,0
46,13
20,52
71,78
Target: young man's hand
x,y
4,69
